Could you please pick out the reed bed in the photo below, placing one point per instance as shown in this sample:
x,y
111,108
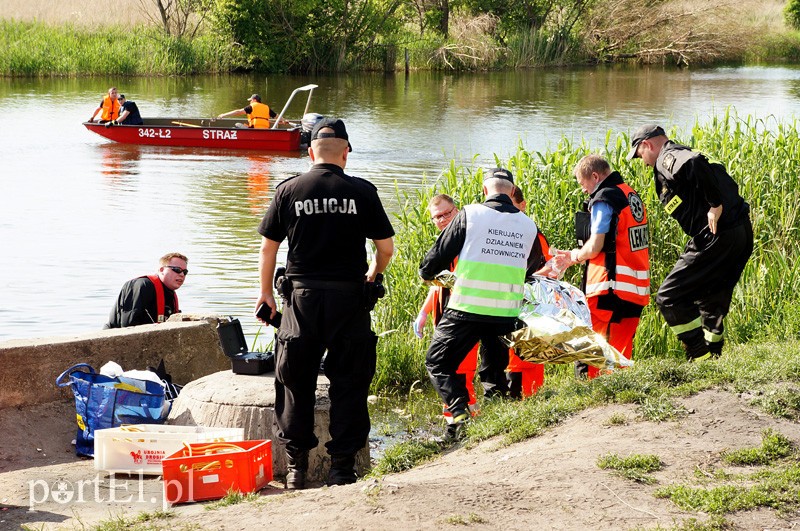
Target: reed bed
x,y
761,154
36,49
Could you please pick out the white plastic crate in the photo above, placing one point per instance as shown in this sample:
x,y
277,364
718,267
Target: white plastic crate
x,y
139,448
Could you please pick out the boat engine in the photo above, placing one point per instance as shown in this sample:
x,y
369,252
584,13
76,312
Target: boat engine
x,y
308,122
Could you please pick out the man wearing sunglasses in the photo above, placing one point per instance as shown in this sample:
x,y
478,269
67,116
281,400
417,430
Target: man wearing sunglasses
x,y
151,298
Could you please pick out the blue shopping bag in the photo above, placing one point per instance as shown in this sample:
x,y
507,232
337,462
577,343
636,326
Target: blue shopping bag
x,y
105,402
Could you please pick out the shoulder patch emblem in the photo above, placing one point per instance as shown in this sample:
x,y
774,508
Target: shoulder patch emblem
x,y
668,162
637,207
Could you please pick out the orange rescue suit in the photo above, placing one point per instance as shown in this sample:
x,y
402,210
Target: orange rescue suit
x,y
259,117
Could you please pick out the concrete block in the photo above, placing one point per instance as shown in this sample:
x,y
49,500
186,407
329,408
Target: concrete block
x,y
190,350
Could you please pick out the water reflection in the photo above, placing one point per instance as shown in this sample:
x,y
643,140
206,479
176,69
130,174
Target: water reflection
x,y
119,163
80,215
258,181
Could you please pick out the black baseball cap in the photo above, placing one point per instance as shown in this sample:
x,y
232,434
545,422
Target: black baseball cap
x,y
643,133
499,173
339,130
255,97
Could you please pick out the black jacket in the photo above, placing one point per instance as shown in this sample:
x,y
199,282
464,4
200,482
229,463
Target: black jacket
x,y
136,304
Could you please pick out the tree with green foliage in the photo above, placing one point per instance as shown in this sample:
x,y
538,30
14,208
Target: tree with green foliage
x,y
791,13
306,35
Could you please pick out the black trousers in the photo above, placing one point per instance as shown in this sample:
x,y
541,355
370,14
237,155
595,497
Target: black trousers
x,y
696,295
316,319
452,340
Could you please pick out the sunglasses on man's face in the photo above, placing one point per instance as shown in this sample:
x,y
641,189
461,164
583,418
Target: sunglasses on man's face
x,y
178,269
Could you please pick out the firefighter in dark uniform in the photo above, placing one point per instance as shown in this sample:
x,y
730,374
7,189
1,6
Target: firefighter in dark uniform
x,y
696,295
494,245
615,244
327,216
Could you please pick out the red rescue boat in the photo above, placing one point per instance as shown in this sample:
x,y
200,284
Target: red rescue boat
x,y
215,133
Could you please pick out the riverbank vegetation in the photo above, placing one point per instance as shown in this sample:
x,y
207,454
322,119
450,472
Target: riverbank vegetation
x,y
767,373
207,36
760,154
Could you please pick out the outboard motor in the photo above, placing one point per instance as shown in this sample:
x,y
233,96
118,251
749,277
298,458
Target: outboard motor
x,y
308,122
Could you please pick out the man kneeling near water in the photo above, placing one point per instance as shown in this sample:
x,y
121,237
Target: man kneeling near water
x,y
150,298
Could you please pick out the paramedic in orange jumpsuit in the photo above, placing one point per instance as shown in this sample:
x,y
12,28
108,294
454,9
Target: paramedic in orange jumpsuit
x,y
615,246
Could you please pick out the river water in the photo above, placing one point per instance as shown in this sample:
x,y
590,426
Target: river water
x,y
80,215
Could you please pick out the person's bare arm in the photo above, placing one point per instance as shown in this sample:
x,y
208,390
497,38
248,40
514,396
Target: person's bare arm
x,y
589,250
384,249
231,113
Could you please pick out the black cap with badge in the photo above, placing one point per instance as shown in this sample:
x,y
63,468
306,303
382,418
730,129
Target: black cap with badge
x,y
339,130
645,132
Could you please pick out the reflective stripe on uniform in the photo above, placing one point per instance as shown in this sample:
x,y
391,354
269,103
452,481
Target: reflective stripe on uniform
x,y
486,302
711,337
635,273
618,286
490,286
688,327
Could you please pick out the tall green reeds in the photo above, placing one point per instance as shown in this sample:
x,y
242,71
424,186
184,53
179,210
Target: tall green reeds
x,y
35,49
762,155
542,47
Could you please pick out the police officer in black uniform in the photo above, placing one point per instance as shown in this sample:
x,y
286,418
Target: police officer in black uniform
x,y
327,216
696,295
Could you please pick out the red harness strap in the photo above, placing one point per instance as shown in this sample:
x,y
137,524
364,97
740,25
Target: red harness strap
x,y
160,298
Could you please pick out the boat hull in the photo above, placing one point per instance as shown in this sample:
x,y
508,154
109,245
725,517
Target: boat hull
x,y
203,133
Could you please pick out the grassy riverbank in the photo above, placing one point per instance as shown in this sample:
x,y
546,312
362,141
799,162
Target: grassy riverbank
x,y
37,49
78,40
761,155
766,374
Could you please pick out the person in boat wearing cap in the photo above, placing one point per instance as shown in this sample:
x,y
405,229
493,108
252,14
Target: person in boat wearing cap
x,y
151,298
109,107
494,244
258,114
327,217
696,295
128,112
614,241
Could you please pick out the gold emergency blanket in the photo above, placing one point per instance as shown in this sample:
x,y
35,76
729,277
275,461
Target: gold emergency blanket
x,y
558,328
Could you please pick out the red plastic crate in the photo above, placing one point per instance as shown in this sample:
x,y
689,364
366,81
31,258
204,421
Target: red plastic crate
x,y
190,475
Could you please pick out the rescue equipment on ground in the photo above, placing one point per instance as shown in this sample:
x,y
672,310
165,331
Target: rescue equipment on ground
x,y
108,402
234,345
140,448
209,471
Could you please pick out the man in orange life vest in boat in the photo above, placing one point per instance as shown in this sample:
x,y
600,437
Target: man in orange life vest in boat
x,y
258,114
151,298
109,106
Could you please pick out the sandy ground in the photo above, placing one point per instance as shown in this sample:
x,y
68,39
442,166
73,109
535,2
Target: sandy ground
x,y
548,482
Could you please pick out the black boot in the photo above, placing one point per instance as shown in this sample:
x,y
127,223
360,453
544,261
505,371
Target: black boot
x,y
296,468
343,470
